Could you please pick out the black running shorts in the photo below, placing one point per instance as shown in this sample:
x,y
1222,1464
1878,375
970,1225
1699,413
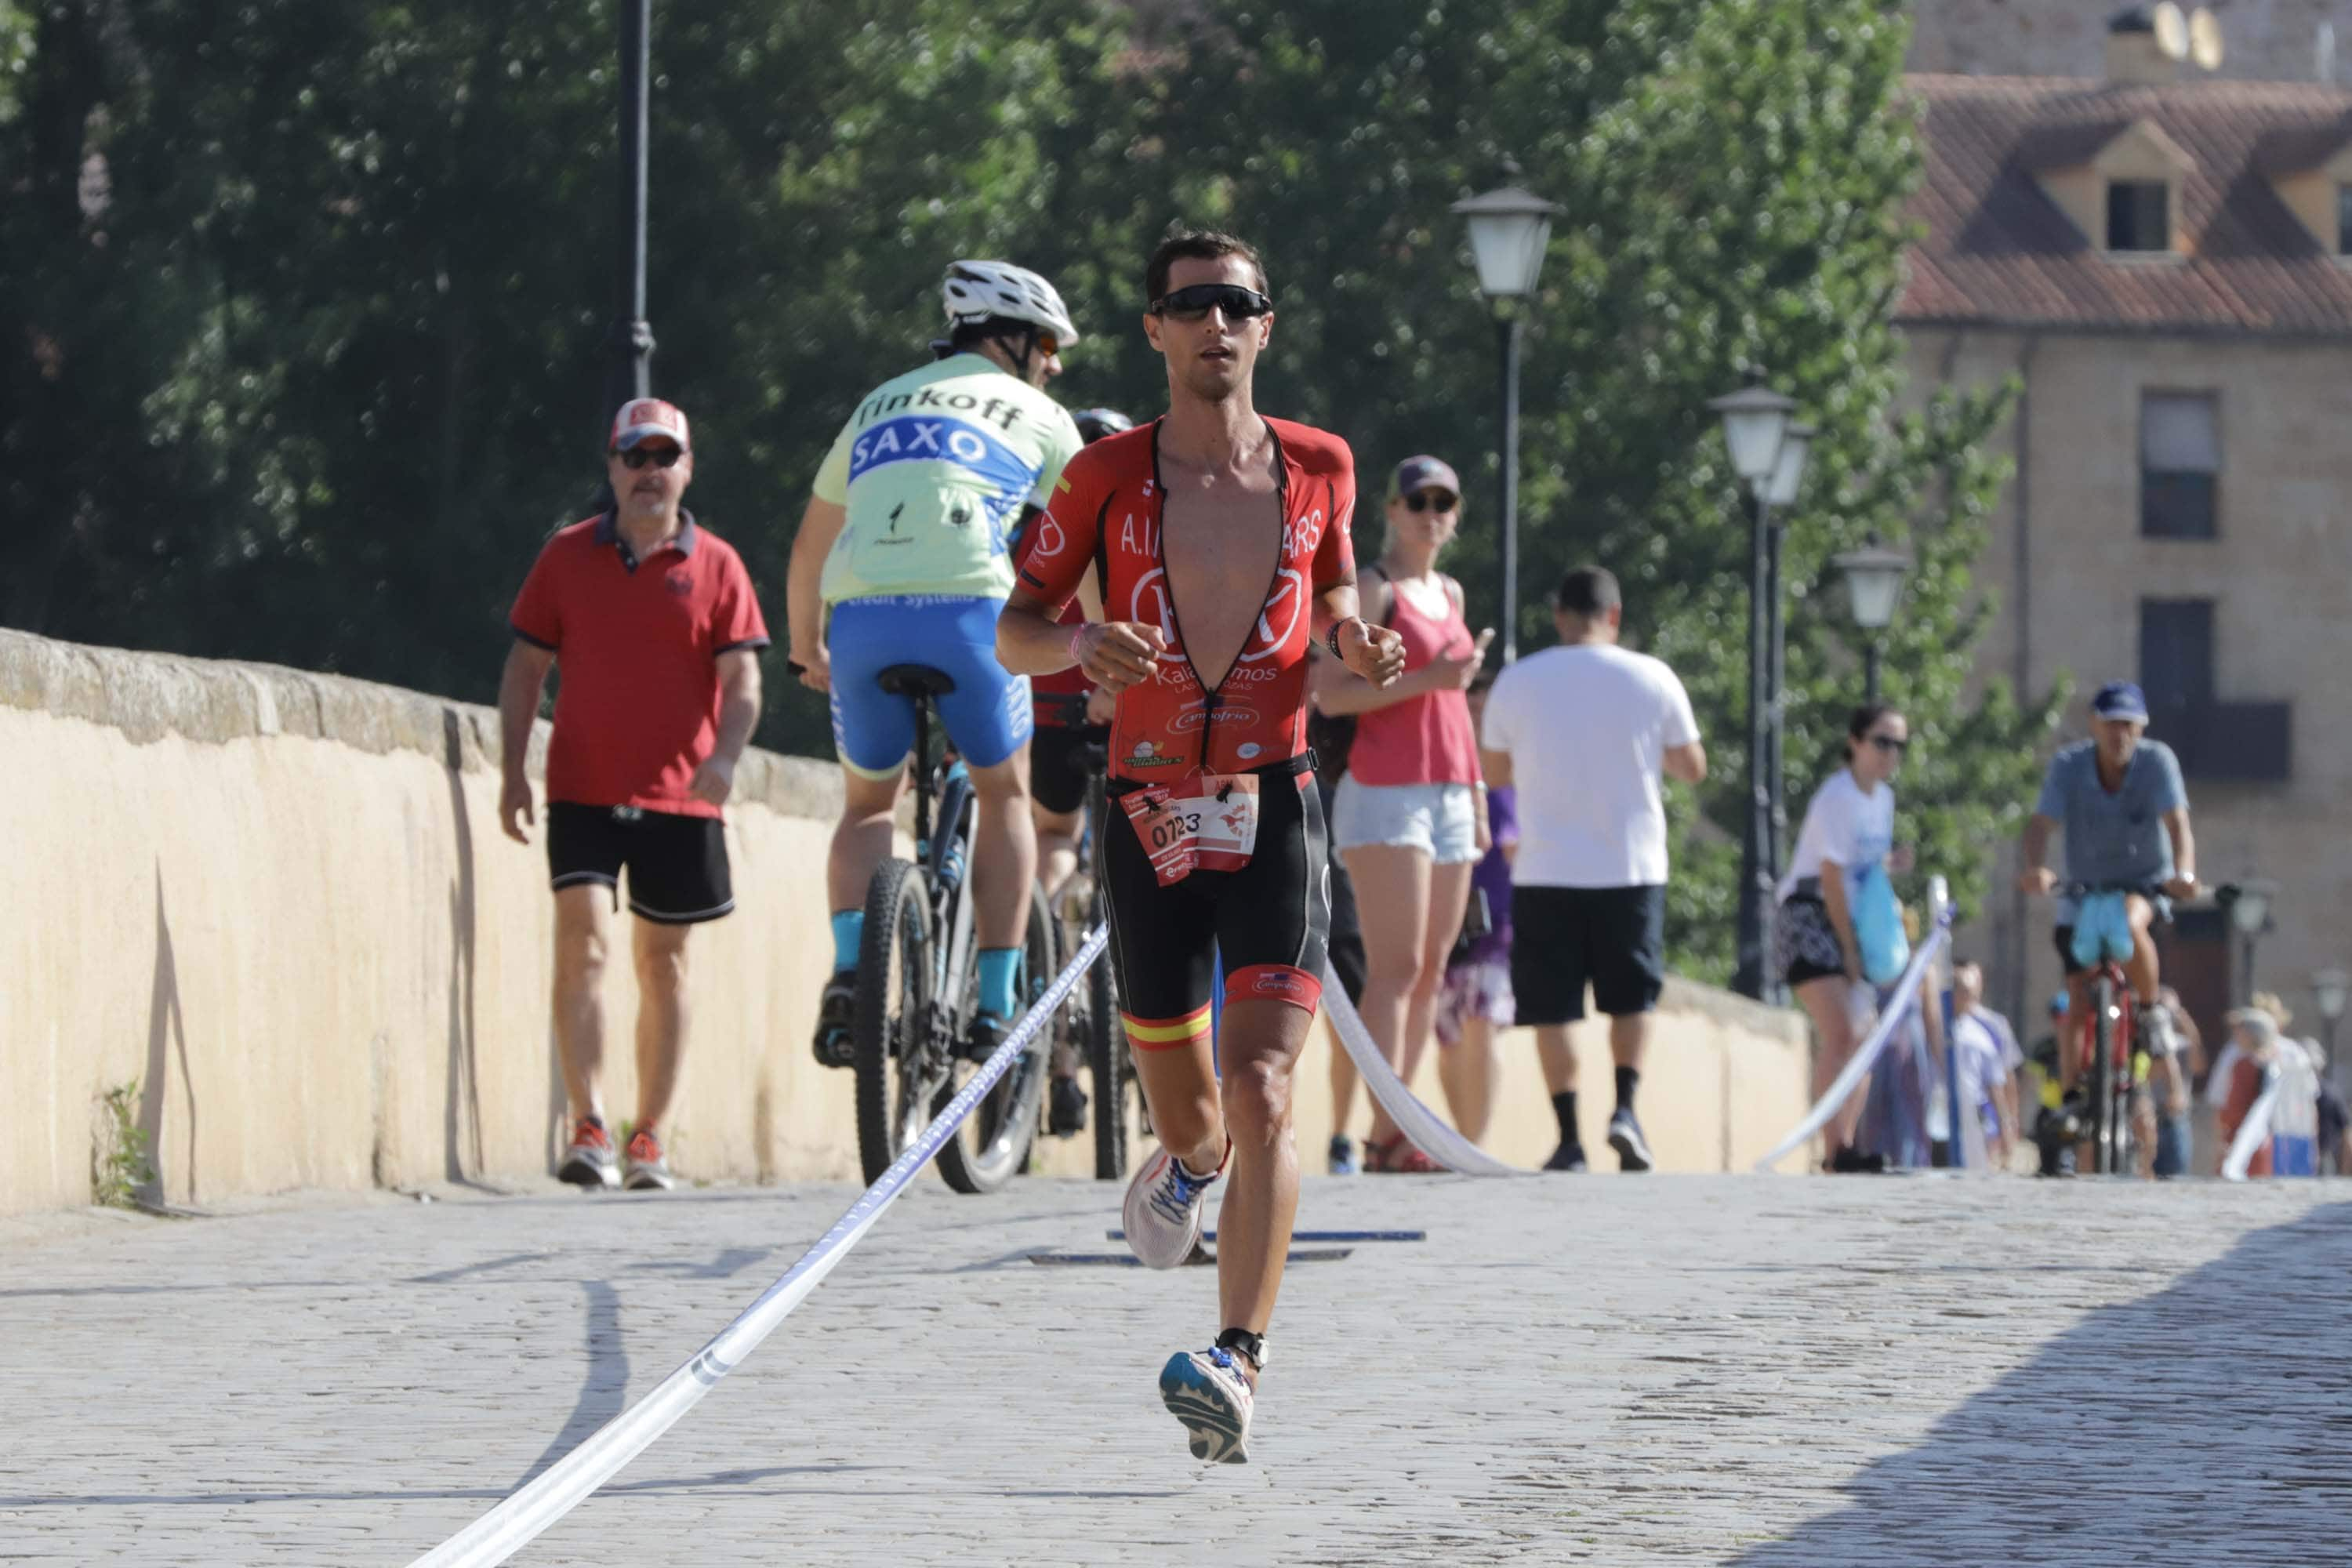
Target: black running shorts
x,y
1270,920
1057,764
676,864
1563,937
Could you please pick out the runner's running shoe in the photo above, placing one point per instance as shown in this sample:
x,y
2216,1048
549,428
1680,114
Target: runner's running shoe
x,y
589,1163
1341,1160
1625,1136
836,1014
648,1172
1162,1211
1567,1157
1207,1391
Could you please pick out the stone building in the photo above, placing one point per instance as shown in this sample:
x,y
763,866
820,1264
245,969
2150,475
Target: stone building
x,y
2266,40
2163,261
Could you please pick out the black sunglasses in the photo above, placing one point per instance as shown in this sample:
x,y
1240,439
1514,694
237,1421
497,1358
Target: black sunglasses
x,y
660,457
1192,304
1432,501
1889,743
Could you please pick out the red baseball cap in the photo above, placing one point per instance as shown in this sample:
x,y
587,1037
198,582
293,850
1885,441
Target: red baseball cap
x,y
647,416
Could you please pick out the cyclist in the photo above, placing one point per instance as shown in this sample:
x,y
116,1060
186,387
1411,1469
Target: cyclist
x,y
1070,713
902,558
2119,799
1242,520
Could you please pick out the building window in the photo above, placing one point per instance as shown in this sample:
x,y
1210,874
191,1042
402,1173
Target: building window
x,y
2217,741
2176,653
2179,465
2139,216
2344,220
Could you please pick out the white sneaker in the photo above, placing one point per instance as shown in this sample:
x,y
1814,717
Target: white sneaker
x,y
1207,1391
1162,1211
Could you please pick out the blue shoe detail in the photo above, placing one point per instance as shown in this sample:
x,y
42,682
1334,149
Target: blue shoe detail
x,y
1207,1391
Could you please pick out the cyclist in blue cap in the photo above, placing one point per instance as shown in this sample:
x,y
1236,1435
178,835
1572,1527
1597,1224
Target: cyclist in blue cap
x,y
2119,799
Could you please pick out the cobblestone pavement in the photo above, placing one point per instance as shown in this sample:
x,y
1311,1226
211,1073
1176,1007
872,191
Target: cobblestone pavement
x,y
1778,1371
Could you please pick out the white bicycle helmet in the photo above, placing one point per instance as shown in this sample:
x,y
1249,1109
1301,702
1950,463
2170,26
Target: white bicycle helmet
x,y
977,290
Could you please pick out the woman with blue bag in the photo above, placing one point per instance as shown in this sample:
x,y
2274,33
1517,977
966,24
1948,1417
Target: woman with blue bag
x,y
1839,934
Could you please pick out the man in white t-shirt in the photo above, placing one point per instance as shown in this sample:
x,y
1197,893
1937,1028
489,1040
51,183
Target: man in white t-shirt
x,y
1986,1056
1584,730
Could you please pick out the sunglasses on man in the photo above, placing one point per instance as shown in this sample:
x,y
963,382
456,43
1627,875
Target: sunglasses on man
x,y
660,457
1432,501
1194,303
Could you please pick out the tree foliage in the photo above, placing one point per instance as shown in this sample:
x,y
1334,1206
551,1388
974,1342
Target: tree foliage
x,y
304,318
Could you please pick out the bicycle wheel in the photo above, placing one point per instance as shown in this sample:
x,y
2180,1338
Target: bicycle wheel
x,y
2102,1084
993,1143
1106,1063
899,1068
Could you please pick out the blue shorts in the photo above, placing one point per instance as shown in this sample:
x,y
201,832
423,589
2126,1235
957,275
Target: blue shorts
x,y
987,715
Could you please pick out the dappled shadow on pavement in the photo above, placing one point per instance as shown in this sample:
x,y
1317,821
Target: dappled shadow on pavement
x,y
2207,1422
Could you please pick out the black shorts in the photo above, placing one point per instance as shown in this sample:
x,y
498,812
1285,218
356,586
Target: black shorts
x,y
1270,921
1057,764
677,864
1562,937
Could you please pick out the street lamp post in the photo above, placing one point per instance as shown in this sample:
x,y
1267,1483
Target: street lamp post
x,y
2248,903
1780,493
2331,988
1510,230
1755,424
632,338
1874,586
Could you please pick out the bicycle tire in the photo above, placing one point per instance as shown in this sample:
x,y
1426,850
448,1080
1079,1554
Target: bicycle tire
x,y
2102,1095
891,1049
1106,1063
993,1143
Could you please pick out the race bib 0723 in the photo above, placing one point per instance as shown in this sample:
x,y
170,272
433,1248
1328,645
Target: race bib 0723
x,y
1207,822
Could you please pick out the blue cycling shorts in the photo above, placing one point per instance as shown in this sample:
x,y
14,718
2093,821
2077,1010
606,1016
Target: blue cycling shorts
x,y
2102,930
987,715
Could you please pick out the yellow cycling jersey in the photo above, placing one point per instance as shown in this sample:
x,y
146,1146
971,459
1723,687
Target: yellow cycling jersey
x,y
933,470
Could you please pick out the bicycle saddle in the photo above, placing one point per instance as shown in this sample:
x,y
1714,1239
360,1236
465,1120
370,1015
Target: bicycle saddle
x,y
915,680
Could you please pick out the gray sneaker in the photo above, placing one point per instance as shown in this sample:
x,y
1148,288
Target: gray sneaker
x,y
589,1163
648,1170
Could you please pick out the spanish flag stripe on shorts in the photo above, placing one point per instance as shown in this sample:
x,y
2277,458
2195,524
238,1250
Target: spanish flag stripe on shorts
x,y
1167,1033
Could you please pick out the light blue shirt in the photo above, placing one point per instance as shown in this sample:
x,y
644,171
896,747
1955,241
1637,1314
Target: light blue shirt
x,y
2119,839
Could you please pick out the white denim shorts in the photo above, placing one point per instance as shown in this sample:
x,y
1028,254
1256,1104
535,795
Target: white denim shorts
x,y
1441,820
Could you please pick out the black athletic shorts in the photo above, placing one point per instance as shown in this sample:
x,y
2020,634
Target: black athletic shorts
x,y
677,864
1057,764
1270,920
1562,937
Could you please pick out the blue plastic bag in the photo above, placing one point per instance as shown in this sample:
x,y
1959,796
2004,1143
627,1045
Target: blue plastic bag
x,y
2102,930
1878,927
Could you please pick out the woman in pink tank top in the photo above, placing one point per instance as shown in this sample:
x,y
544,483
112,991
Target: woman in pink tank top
x,y
1409,817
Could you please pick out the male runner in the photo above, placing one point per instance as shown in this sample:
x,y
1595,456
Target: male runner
x,y
1070,711
1239,522
902,558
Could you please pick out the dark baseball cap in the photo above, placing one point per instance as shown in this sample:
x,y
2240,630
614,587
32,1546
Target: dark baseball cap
x,y
1416,474
2121,700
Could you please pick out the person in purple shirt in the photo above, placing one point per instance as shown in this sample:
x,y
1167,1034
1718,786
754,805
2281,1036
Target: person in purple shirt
x,y
1473,1000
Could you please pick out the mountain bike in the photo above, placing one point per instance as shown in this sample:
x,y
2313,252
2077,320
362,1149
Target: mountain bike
x,y
1090,1020
919,983
2112,1057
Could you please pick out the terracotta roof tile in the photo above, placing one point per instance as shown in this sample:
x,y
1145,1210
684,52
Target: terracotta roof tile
x,y
1998,250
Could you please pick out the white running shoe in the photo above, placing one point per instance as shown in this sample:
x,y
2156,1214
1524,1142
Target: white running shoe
x,y
1207,1391
1162,1211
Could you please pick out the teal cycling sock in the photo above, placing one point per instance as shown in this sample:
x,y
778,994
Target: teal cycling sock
x,y
848,931
998,968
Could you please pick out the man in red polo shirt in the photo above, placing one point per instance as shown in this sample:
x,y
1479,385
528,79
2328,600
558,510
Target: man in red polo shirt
x,y
658,632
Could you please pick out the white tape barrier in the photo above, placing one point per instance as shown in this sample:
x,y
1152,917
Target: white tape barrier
x,y
1907,997
2254,1132
519,1520
1427,1131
